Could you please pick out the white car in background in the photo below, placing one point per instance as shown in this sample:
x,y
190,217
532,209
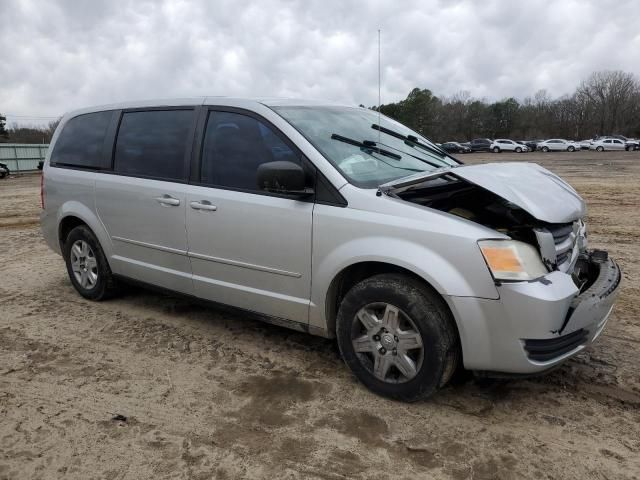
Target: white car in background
x,y
585,144
608,144
506,145
558,145
629,143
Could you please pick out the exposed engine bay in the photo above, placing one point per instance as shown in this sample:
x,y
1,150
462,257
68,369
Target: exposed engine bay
x,y
556,242
460,198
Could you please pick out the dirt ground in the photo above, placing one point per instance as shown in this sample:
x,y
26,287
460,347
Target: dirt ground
x,y
209,394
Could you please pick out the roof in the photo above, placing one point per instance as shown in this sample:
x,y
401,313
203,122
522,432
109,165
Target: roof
x,y
212,100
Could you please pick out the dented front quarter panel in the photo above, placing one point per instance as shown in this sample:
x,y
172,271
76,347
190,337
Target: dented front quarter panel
x,y
436,246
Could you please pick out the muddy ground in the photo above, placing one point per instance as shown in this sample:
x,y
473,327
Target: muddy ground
x,y
209,394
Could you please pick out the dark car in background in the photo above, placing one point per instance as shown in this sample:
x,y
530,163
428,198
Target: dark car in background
x,y
455,147
480,145
529,143
4,170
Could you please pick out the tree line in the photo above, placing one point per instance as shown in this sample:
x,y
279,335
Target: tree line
x,y
605,103
26,134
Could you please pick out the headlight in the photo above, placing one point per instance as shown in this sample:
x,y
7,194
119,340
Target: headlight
x,y
512,260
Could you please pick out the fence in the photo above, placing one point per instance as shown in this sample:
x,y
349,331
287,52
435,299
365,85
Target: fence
x,y
22,157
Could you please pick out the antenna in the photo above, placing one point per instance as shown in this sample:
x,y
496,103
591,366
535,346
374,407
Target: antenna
x,y
379,103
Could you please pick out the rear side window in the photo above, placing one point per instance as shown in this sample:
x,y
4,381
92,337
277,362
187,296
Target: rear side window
x,y
81,140
153,143
235,145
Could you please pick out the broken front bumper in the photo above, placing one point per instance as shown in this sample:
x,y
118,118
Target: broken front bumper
x,y
534,326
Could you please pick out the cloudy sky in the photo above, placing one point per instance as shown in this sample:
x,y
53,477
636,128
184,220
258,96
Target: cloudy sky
x,y
60,55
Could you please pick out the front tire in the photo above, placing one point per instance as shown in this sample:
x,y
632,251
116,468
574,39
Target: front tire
x,y
600,149
545,149
397,336
571,149
518,150
496,150
87,265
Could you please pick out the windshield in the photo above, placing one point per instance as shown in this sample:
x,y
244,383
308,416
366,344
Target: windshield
x,y
367,156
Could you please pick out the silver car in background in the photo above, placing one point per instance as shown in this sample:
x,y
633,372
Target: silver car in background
x,y
610,143
558,145
330,220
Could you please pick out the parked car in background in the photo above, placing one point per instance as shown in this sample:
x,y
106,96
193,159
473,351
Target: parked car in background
x,y
415,262
506,145
585,144
531,144
558,145
4,170
608,144
481,145
630,143
455,147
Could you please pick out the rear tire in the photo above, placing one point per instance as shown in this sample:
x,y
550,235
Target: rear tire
x,y
398,337
87,265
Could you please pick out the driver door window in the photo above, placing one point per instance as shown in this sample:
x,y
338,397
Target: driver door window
x,y
235,145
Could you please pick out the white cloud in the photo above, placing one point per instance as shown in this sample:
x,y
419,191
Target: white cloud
x,y
57,56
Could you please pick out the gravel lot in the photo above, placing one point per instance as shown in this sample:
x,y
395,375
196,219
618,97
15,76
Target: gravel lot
x,y
210,394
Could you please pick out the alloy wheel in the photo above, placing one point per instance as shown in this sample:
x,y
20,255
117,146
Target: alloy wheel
x,y
387,342
84,264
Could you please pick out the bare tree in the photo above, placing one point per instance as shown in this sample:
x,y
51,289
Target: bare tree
x,y
613,98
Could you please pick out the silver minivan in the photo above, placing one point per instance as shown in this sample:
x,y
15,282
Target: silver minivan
x,y
335,221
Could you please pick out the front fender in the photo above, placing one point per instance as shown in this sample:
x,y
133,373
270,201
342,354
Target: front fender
x,y
462,273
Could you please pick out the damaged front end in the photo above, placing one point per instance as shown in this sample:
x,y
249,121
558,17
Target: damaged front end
x,y
565,305
562,245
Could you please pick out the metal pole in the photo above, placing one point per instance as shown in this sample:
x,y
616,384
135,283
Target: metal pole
x,y
379,76
15,153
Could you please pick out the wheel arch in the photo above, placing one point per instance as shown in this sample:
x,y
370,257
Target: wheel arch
x,y
352,274
73,214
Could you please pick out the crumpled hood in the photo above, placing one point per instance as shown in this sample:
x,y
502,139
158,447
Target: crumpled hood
x,y
533,188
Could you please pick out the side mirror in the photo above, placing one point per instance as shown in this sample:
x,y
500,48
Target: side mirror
x,y
283,177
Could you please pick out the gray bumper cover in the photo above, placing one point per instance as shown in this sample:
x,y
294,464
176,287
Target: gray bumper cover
x,y
493,332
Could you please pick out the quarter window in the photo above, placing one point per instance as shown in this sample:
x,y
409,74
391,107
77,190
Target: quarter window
x,y
235,145
81,140
153,143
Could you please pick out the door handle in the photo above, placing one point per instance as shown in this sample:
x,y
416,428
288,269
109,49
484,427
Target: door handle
x,y
203,205
167,200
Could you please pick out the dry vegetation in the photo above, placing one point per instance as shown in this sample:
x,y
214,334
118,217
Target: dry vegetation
x,y
207,393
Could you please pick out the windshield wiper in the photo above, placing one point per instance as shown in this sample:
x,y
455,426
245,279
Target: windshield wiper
x,y
412,141
421,159
366,145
